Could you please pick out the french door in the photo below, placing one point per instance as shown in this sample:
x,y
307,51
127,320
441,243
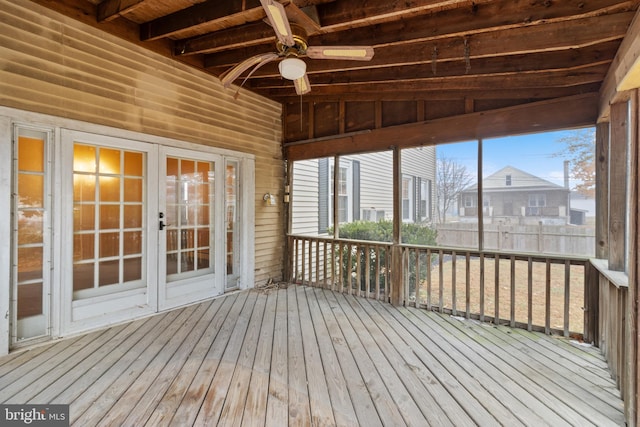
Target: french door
x,y
190,224
109,239
105,229
148,228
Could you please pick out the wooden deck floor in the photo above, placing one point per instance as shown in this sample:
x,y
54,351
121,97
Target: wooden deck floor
x,y
303,356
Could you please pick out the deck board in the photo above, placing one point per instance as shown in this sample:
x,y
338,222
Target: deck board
x,y
310,356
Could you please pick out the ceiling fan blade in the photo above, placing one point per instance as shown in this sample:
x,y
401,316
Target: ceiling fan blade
x,y
279,21
356,53
302,85
258,61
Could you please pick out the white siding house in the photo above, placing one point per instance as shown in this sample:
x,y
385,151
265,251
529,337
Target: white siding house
x,y
366,189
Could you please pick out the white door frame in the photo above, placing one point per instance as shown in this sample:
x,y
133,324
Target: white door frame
x,y
6,160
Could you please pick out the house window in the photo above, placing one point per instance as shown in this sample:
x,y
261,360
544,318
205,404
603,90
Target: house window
x,y
423,203
469,201
347,197
508,181
407,198
537,200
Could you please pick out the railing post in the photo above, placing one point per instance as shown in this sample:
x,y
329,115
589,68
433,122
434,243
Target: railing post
x,y
591,305
397,275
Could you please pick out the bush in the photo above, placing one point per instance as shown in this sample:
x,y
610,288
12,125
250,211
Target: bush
x,y
381,231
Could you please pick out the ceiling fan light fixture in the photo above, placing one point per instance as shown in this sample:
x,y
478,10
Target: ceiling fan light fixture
x,y
292,68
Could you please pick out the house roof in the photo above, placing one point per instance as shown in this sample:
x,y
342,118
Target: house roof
x,y
518,180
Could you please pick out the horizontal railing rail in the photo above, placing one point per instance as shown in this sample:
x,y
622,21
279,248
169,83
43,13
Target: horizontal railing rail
x,y
538,292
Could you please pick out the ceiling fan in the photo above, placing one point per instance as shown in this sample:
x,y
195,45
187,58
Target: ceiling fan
x,y
290,47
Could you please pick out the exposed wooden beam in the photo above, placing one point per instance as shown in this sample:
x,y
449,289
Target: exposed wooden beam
x,y
541,116
627,55
467,17
251,34
201,14
530,94
257,33
524,40
502,14
514,81
111,9
540,61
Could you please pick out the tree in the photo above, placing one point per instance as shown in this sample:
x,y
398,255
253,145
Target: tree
x,y
451,179
579,149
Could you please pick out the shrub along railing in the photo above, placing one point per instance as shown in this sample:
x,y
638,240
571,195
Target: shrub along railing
x,y
547,293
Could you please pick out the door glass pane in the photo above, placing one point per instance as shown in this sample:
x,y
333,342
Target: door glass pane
x,y
108,220
189,198
231,209
30,241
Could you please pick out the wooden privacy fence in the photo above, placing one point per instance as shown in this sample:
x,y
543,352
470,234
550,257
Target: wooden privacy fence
x,y
536,292
556,239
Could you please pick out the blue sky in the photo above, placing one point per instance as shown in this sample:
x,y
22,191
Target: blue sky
x,y
532,153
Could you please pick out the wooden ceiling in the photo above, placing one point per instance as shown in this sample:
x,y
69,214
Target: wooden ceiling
x,y
467,56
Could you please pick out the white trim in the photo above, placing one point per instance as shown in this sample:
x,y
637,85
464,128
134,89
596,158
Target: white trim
x,y
248,224
56,224
5,230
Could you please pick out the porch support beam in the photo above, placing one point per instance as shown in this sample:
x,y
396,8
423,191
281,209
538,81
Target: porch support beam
x,y
572,111
627,58
631,386
397,279
618,156
602,190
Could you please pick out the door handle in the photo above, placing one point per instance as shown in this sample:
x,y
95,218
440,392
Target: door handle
x,y
162,225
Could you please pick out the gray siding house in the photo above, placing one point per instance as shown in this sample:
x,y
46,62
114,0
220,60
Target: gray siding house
x,y
514,196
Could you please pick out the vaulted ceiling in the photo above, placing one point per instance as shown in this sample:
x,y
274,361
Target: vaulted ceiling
x,y
433,58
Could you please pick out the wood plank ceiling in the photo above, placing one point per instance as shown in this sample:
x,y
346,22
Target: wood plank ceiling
x,y
433,58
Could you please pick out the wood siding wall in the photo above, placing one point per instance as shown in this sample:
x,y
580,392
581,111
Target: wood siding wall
x,y
54,65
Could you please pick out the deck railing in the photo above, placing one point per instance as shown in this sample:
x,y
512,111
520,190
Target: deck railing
x,y
613,327
533,291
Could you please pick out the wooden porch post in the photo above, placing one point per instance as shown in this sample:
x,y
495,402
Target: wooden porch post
x,y
397,274
602,190
634,241
618,184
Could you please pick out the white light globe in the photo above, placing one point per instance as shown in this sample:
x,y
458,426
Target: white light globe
x,y
292,68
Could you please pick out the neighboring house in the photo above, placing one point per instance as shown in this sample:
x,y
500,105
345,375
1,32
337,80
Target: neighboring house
x,y
365,189
511,194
